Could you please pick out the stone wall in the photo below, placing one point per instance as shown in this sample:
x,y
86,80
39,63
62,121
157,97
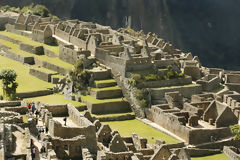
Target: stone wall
x,y
34,94
231,152
20,109
41,75
10,103
57,110
38,50
69,55
17,57
175,124
209,82
166,83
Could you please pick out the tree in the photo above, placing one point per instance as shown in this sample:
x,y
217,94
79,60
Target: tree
x,y
80,77
235,129
41,10
9,84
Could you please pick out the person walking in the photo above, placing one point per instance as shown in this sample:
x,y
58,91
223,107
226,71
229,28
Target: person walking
x,y
33,152
65,120
33,107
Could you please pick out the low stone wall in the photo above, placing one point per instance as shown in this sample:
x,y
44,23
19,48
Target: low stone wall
x,y
102,94
3,22
186,91
17,57
54,67
10,103
108,107
38,50
196,152
49,53
11,28
6,38
116,118
233,87
57,110
34,94
231,152
166,83
41,75
10,117
21,109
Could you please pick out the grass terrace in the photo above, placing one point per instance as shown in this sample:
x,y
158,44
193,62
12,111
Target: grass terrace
x,y
105,81
126,128
26,81
56,61
56,99
106,88
28,40
221,156
94,100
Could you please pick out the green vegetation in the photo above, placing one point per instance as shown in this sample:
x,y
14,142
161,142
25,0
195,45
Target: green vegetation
x,y
95,101
55,99
28,40
126,128
15,49
25,118
221,156
26,81
235,129
79,77
38,10
112,115
106,88
105,81
9,84
142,97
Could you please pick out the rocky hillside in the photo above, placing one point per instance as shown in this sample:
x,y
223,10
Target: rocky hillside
x,y
207,28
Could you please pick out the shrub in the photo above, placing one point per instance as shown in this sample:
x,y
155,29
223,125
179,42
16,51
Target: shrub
x,y
235,129
142,97
135,79
41,10
151,77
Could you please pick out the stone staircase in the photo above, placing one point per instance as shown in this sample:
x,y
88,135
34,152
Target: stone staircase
x,y
106,97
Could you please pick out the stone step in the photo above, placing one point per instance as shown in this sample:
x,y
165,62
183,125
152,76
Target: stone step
x,y
106,93
106,106
100,73
105,83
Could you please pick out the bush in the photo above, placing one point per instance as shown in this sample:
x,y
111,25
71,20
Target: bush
x,y
41,10
151,77
135,79
142,97
235,129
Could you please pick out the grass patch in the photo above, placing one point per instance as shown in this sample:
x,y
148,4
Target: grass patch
x,y
221,156
112,115
28,40
55,99
126,128
94,100
105,81
106,88
56,60
26,81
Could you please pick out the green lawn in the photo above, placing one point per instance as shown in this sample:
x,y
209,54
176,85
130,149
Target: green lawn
x,y
126,128
27,40
26,81
56,60
221,156
105,81
94,100
106,88
55,99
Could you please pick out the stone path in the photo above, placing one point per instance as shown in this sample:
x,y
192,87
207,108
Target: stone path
x,y
158,127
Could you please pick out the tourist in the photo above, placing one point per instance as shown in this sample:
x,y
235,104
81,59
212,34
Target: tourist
x,y
65,120
36,120
46,129
29,106
33,107
33,152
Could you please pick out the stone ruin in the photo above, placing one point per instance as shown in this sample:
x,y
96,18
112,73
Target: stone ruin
x,y
186,107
